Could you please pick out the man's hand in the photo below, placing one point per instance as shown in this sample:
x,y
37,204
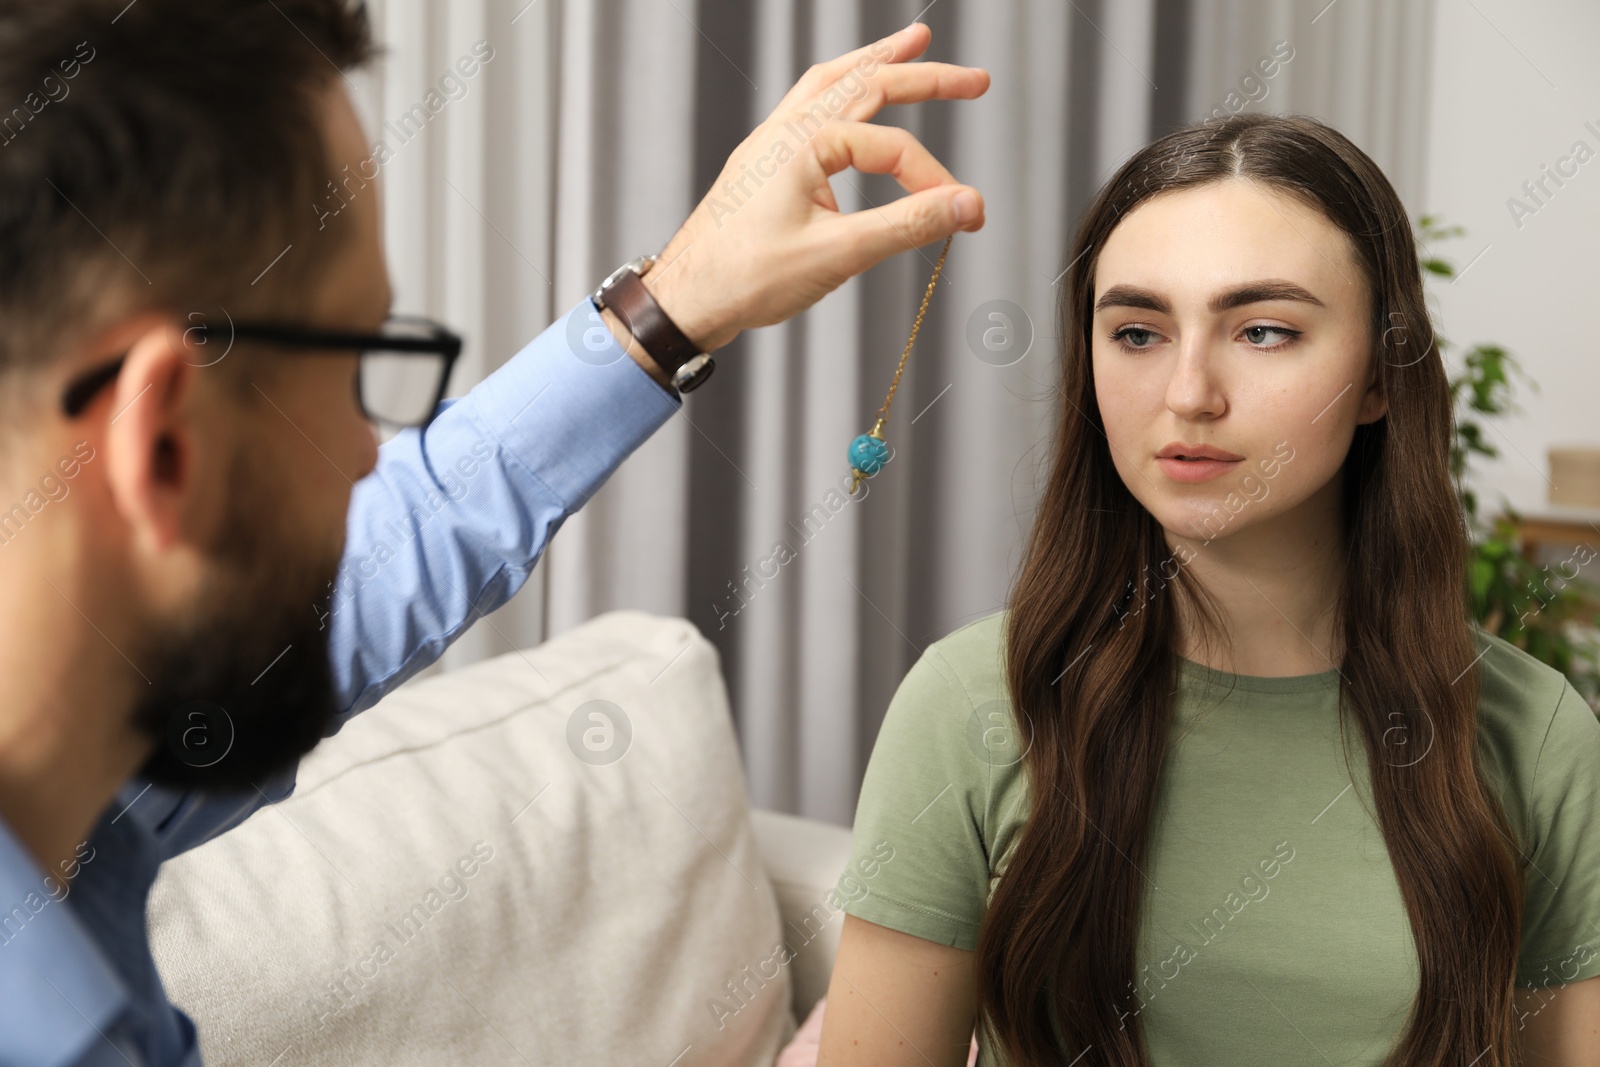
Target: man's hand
x,y
768,240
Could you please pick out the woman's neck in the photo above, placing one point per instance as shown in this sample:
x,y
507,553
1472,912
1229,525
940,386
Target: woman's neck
x,y
1274,585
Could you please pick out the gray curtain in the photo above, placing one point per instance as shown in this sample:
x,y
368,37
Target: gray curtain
x,y
598,126
1362,65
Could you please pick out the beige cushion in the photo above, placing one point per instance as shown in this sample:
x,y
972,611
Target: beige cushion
x,y
451,883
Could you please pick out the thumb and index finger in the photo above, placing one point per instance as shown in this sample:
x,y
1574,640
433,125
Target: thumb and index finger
x,y
773,262
936,204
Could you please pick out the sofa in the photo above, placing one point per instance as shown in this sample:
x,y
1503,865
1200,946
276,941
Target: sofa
x,y
546,857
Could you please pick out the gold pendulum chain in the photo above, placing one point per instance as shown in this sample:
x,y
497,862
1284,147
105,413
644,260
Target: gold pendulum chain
x,y
869,453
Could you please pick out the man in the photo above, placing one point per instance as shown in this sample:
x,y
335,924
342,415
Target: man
x,y
206,562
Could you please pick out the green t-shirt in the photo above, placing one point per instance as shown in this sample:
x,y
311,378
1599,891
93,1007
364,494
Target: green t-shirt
x,y
1277,930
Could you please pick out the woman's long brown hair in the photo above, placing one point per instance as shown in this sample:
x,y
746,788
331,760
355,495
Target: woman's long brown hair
x,y
1091,659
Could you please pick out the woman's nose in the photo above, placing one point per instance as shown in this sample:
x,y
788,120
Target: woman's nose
x,y
1195,389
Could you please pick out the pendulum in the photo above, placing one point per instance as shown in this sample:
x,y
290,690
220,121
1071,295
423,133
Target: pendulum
x,y
869,452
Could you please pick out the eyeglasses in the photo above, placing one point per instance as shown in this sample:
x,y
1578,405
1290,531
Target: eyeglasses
x,y
400,379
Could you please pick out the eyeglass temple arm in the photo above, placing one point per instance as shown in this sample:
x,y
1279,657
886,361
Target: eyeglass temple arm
x,y
83,390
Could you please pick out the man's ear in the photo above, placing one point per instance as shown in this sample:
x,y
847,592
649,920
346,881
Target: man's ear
x,y
150,438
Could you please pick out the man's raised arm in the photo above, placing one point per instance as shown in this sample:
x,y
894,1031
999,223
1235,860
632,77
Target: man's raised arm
x,y
453,518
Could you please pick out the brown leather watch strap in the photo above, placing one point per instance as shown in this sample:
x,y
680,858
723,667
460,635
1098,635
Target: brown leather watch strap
x,y
643,318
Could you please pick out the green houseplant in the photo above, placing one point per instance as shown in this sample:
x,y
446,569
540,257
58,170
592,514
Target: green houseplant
x,y
1545,609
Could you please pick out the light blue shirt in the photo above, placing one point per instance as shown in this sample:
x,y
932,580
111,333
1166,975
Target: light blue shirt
x,y
423,559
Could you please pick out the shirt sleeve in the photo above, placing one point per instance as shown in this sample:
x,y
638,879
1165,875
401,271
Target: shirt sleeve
x,y
431,546
918,860
451,522
1561,916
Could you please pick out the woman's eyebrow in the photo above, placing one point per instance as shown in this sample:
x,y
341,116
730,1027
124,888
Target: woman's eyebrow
x,y
1131,296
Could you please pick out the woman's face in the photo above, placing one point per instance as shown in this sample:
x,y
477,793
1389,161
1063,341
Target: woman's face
x,y
1232,349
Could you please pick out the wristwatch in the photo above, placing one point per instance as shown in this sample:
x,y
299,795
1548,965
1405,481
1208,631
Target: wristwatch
x,y
624,293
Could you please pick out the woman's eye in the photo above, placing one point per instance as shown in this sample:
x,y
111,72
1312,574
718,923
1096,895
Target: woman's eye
x,y
1258,335
1134,337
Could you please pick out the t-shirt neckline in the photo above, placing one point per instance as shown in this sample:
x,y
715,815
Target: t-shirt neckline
x,y
1257,683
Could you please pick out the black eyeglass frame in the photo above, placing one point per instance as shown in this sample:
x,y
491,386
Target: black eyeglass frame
x,y
444,342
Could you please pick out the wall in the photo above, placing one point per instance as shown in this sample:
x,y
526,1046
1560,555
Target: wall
x,y
1513,85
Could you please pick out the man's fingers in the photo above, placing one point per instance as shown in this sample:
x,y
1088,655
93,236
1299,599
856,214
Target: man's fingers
x,y
910,84
878,149
898,47
873,234
928,211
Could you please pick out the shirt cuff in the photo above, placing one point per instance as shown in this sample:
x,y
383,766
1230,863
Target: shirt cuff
x,y
572,405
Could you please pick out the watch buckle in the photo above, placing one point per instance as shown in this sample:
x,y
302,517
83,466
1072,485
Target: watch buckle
x,y
693,372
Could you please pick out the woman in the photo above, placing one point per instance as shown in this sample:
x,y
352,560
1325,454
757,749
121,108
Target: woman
x,y
1233,779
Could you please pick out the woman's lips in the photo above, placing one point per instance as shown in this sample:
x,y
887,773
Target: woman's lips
x,y
1195,470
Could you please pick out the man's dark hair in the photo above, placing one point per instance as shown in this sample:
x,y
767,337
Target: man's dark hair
x,y
159,155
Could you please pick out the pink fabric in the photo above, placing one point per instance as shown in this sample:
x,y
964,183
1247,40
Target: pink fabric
x,y
802,1051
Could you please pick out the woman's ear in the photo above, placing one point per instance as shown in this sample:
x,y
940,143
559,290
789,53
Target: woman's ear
x,y
1374,402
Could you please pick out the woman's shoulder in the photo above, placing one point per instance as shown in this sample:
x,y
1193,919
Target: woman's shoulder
x,y
952,722
1543,743
983,735
977,649
957,677
964,671
1518,694
1533,726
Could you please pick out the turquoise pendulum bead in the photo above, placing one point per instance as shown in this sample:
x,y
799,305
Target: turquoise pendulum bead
x,y
868,453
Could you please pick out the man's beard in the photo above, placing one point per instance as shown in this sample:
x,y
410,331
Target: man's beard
x,y
242,688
